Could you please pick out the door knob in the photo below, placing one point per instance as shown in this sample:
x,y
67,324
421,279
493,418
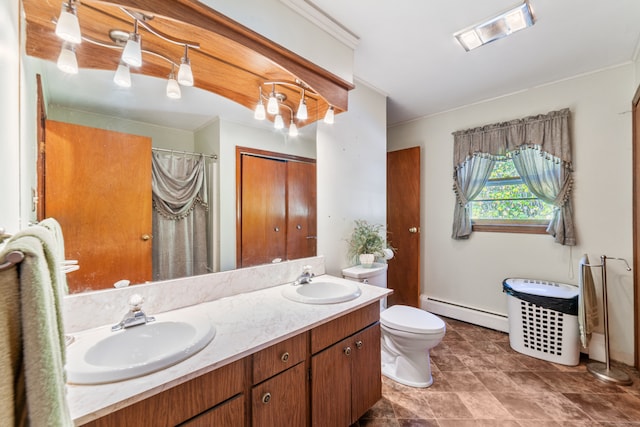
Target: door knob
x,y
413,230
145,237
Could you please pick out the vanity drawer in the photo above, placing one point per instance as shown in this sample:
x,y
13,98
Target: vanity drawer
x,y
330,333
278,357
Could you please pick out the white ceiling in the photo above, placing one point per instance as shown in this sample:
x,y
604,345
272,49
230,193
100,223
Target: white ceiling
x,y
407,49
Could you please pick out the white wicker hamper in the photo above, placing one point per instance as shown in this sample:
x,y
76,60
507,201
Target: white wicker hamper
x,y
543,321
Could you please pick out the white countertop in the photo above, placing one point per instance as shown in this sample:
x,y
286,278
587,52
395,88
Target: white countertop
x,y
245,323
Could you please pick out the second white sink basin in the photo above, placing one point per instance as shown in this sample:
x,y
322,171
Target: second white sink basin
x,y
103,356
322,292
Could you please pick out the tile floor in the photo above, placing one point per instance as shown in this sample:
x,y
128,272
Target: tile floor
x,y
480,381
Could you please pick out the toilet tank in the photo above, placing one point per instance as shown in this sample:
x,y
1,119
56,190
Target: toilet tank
x,y
375,275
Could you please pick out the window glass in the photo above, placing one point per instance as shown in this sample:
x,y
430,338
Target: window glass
x,y
506,198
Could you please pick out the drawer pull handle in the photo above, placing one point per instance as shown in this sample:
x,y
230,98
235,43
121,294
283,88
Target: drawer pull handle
x,y
347,351
285,356
266,398
359,344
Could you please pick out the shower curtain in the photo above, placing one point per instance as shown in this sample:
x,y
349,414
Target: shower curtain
x,y
183,220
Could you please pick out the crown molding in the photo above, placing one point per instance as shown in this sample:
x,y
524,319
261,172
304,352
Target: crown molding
x,y
320,18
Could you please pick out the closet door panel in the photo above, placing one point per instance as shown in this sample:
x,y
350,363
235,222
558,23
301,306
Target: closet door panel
x,y
301,210
263,210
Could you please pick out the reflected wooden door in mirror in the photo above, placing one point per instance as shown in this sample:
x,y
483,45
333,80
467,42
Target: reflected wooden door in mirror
x,y
277,207
98,187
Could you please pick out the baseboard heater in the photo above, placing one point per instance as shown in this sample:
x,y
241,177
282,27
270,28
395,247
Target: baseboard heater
x,y
476,316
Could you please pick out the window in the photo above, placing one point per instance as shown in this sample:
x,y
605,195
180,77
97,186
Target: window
x,y
506,203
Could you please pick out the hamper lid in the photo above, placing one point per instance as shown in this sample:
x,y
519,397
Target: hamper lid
x,y
542,288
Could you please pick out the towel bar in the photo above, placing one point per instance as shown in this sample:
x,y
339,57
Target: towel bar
x,y
12,258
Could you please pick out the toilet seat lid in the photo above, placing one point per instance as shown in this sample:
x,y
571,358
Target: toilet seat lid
x,y
411,319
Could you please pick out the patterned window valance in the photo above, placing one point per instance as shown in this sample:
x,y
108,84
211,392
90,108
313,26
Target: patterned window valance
x,y
548,133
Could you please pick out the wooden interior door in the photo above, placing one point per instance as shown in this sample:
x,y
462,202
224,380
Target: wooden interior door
x,y
403,225
263,210
98,187
301,210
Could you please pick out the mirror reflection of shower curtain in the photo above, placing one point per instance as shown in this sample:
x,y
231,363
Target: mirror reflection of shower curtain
x,y
182,227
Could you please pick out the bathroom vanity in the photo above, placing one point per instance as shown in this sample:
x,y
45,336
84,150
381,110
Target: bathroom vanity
x,y
272,362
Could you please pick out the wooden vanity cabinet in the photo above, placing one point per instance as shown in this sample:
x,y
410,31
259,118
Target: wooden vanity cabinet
x,y
209,393
279,392
345,376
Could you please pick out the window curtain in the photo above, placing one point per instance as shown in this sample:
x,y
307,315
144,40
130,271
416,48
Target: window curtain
x,y
180,211
541,149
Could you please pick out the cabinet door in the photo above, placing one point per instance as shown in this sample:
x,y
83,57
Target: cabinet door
x,y
281,400
227,414
331,386
366,381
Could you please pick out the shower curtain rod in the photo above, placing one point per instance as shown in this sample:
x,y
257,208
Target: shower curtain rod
x,y
190,153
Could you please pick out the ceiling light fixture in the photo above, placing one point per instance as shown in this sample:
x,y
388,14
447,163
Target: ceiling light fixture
x,y
173,88
302,108
293,129
68,27
329,116
67,61
497,27
185,75
122,76
132,53
272,103
260,113
278,122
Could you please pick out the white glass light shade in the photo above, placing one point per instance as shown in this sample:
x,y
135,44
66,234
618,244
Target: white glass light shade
x,y
122,77
185,75
272,105
173,88
68,27
67,61
278,123
293,129
302,110
132,54
260,113
329,116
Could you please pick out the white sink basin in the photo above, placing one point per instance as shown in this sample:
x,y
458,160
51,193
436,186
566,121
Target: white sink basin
x,y
322,292
103,356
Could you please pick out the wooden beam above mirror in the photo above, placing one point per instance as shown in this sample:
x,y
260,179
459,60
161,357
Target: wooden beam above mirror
x,y
230,60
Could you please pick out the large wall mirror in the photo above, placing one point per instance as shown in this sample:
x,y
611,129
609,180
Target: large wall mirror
x,y
201,121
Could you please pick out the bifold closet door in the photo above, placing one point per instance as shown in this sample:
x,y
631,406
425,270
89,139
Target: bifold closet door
x,y
98,187
263,210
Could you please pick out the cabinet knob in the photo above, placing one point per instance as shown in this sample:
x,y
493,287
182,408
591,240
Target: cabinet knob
x,y
347,351
266,398
359,344
413,230
276,229
145,237
285,356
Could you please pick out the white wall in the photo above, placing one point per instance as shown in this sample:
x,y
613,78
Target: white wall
x,y
277,22
9,117
470,272
352,175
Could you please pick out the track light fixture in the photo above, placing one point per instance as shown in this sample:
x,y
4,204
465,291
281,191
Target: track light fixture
x,y
68,27
173,88
272,104
302,113
278,123
329,116
67,61
123,76
260,113
293,129
185,75
132,53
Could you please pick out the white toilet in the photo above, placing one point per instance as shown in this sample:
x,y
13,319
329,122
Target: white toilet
x,y
408,333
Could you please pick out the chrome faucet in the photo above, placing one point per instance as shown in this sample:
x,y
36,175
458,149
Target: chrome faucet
x,y
305,277
135,316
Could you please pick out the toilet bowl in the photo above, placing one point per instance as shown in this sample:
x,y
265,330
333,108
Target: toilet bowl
x,y
408,334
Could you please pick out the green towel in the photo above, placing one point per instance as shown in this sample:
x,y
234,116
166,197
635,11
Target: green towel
x,y
43,343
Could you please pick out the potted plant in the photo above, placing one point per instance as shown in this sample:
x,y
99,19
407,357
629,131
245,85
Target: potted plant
x,y
367,243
